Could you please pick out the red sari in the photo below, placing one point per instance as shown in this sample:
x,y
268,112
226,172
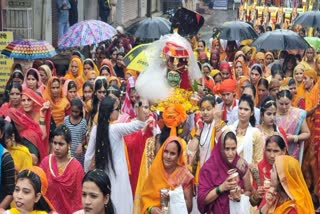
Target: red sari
x,y
64,191
28,127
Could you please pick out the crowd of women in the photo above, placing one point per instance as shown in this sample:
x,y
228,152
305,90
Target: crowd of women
x,y
84,141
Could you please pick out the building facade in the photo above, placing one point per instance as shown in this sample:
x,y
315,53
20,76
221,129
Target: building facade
x,y
37,19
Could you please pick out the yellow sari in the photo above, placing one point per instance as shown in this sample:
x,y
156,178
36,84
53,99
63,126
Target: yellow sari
x,y
21,157
292,181
158,178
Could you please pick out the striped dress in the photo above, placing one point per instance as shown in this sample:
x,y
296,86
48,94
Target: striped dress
x,y
78,132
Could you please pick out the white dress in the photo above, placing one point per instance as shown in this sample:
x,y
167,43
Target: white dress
x,y
121,194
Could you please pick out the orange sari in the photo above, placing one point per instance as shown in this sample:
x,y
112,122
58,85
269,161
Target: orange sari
x,y
79,80
58,106
292,181
158,177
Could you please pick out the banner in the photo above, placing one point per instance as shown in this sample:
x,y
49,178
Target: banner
x,y
5,62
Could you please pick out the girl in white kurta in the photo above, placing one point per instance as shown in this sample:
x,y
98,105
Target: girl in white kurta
x,y
106,151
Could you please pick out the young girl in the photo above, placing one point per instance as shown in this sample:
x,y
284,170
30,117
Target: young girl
x,y
27,195
78,127
70,90
87,89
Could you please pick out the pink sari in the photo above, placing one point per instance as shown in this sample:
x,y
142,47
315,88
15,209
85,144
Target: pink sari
x,y
64,191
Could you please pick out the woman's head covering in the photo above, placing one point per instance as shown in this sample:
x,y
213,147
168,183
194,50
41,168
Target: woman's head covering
x,y
69,74
65,86
47,92
40,86
258,68
311,73
293,183
95,68
133,73
108,63
157,178
245,69
53,71
226,66
269,54
214,72
44,182
214,172
47,70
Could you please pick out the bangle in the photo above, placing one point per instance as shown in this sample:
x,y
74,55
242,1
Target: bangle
x,y
149,209
260,211
218,191
296,138
41,122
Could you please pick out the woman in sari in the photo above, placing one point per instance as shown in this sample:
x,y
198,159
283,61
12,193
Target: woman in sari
x,y
215,59
45,74
64,174
17,78
75,73
289,193
311,157
240,69
225,71
15,91
51,66
58,103
309,58
293,121
33,123
168,170
215,183
216,45
32,80
269,58
89,65
297,101
263,91
108,63
275,145
91,76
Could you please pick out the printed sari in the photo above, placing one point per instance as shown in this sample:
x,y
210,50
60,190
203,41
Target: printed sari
x,y
291,122
158,177
213,173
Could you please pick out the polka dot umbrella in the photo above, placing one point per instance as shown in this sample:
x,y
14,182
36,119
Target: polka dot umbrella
x,y
29,49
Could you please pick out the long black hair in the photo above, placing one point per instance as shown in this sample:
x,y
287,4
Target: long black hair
x,y
35,181
247,98
16,74
10,130
101,179
99,83
104,157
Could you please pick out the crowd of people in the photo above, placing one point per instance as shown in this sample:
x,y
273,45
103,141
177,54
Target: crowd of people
x,y
89,140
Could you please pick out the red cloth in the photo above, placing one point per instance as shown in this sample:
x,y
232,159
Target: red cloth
x,y
135,146
226,66
64,191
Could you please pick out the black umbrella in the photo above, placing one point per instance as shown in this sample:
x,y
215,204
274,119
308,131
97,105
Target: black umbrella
x,y
237,30
187,22
280,40
308,19
151,28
